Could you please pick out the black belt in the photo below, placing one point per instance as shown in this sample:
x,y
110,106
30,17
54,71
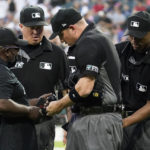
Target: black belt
x,y
127,113
99,109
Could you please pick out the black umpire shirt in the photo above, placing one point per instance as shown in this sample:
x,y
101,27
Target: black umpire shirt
x,y
94,55
16,133
135,76
39,68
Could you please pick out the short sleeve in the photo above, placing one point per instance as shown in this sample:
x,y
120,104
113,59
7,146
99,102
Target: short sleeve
x,y
6,88
89,57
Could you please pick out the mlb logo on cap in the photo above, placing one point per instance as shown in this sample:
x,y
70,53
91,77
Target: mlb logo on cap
x,y
138,25
134,24
32,16
36,15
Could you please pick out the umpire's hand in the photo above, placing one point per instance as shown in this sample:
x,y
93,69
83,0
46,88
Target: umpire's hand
x,y
34,113
53,108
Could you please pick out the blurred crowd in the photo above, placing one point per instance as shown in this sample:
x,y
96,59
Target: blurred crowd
x,y
109,15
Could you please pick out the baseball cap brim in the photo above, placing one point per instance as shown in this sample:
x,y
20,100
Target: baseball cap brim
x,y
17,43
11,46
53,35
21,42
39,23
137,34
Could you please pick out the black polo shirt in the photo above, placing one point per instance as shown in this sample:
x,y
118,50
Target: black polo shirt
x,y
16,133
93,54
135,76
10,87
39,68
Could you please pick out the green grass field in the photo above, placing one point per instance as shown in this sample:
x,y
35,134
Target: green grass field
x,y
59,144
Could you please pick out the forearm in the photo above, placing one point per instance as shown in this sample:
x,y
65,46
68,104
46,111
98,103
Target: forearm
x,y
83,88
138,116
56,107
9,107
65,102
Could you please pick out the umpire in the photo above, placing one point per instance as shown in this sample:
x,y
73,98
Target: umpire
x,y
40,66
135,58
17,131
98,125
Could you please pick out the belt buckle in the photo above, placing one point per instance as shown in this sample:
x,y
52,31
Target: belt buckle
x,y
119,107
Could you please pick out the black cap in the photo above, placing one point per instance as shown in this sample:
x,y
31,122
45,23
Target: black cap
x,y
63,19
32,16
138,24
8,37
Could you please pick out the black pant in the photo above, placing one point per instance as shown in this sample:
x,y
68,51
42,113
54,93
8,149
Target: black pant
x,y
137,136
45,135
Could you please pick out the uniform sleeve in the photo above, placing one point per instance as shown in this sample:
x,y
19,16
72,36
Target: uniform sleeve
x,y
118,48
89,56
6,88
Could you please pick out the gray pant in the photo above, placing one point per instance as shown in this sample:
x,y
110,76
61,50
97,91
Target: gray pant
x,y
137,136
45,132
96,132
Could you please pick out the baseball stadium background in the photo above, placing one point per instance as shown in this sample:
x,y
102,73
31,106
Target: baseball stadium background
x,y
108,15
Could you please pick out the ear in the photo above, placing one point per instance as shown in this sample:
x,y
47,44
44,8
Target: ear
x,y
72,27
21,26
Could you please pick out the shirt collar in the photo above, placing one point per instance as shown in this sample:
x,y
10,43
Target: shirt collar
x,y
34,51
89,27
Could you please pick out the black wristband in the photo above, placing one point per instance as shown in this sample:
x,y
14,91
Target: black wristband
x,y
74,96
